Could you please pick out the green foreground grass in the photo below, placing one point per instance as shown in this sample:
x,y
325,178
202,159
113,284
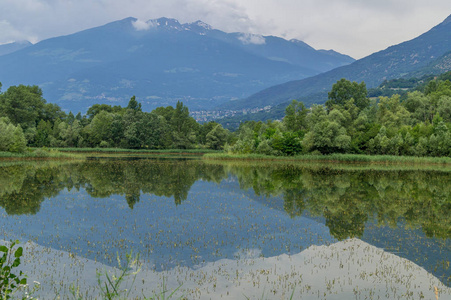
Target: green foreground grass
x,y
339,158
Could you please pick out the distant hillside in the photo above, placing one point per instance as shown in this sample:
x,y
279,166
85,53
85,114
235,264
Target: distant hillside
x,y
438,66
160,61
13,47
394,62
387,88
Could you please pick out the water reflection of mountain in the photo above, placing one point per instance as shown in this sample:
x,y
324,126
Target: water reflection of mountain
x,y
411,208
350,264
397,238
211,224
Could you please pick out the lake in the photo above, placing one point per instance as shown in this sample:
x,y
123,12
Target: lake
x,y
235,230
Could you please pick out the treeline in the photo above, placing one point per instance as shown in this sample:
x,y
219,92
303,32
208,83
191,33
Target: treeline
x,y
418,124
27,120
350,122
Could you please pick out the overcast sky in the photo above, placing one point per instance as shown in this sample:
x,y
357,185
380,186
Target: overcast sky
x,y
354,27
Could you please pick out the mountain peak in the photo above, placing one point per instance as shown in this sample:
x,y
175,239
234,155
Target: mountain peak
x,y
301,43
167,23
200,24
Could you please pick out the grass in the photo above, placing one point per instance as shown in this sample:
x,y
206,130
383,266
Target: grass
x,y
81,153
339,158
144,151
37,154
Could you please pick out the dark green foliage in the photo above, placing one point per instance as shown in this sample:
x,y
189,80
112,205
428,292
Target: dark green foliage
x,y
418,124
216,138
290,144
23,105
134,105
345,90
296,116
97,108
28,119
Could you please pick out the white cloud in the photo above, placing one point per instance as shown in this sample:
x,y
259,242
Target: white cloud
x,y
248,38
8,34
353,27
141,25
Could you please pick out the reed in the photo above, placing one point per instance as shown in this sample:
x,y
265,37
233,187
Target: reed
x,y
121,150
347,158
38,154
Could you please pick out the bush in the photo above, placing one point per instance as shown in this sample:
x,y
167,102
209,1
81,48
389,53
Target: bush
x,y
12,138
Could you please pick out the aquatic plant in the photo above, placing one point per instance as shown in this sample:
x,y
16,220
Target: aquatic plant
x,y
10,283
111,287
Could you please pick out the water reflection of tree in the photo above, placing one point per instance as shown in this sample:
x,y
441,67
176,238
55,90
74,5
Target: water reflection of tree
x,y
348,199
160,178
23,187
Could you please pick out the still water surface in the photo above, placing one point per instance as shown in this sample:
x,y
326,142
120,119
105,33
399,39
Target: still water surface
x,y
193,215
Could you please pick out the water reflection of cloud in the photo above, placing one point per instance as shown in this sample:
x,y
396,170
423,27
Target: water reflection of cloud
x,y
247,253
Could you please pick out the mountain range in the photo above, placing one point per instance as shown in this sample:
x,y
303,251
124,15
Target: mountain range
x,y
160,61
428,53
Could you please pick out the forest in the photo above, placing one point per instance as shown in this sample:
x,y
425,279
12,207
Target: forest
x,y
350,122
416,124
27,120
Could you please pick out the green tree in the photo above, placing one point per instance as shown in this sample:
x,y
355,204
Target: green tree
x,y
133,104
444,108
217,137
327,137
97,108
391,113
246,140
43,133
12,138
69,134
184,127
419,106
147,130
317,114
295,116
52,112
344,90
100,128
22,105
204,129
440,140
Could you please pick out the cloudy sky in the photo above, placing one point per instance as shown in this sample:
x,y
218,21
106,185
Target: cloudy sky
x,y
354,27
